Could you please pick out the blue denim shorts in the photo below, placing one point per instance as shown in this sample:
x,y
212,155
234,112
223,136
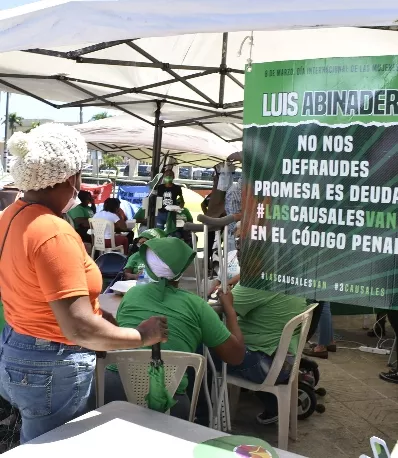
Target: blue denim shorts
x,y
256,365
48,382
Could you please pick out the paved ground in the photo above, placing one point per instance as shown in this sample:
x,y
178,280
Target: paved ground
x,y
358,404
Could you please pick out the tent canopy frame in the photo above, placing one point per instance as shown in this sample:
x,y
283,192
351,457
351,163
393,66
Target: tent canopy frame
x,y
207,105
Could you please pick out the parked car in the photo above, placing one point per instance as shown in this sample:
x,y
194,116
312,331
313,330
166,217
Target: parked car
x,y
197,173
88,169
108,172
184,173
207,174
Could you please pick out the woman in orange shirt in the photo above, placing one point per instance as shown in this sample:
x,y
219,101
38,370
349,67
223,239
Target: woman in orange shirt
x,y
50,287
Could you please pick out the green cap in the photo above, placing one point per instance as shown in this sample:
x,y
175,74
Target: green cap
x,y
172,251
150,234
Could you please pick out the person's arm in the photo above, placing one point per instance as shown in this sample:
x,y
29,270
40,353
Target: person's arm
x,y
232,349
131,268
79,217
120,226
59,264
234,280
179,195
79,325
121,214
109,317
189,216
129,275
82,222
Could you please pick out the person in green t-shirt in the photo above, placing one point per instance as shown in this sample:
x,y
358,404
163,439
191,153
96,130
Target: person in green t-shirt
x,y
135,264
262,317
191,321
82,213
172,227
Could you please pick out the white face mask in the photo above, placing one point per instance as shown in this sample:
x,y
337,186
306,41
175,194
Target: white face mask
x,y
73,202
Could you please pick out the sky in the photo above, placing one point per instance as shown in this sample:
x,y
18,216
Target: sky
x,y
29,108
5,4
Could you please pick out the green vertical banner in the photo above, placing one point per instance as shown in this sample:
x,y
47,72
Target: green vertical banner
x,y
320,187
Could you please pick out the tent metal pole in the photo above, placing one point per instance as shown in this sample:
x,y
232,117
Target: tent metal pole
x,y
136,90
238,127
180,99
156,151
6,124
223,68
203,126
103,99
239,139
29,94
233,105
19,76
236,81
214,115
77,56
172,73
130,63
78,52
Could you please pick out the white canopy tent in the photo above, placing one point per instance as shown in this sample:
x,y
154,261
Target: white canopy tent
x,y
53,23
174,80
192,80
125,136
97,52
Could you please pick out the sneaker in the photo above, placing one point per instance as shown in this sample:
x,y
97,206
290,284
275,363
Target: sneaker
x,y
391,376
266,419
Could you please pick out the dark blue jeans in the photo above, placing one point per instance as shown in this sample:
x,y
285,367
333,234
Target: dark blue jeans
x,y
161,220
48,382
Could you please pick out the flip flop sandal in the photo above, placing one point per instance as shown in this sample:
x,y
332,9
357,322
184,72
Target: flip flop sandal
x,y
316,354
332,347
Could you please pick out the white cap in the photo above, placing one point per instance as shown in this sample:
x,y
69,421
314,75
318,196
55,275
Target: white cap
x,y
46,156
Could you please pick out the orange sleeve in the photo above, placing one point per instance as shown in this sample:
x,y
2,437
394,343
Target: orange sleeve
x,y
59,266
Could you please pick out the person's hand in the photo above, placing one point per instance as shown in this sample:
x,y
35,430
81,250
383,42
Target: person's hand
x,y
226,299
153,331
214,288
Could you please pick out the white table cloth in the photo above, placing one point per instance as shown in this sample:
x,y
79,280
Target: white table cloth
x,y
121,429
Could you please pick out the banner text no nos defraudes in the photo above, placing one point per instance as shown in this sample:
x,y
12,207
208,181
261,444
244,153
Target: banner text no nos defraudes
x,y
320,152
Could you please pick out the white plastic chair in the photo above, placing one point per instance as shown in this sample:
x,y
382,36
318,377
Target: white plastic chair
x,y
98,228
133,368
287,394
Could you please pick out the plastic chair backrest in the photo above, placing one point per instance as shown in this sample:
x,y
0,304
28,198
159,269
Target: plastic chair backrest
x,y
98,227
133,368
303,321
110,264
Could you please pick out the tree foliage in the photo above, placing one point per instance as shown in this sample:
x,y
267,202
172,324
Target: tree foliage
x,y
102,115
